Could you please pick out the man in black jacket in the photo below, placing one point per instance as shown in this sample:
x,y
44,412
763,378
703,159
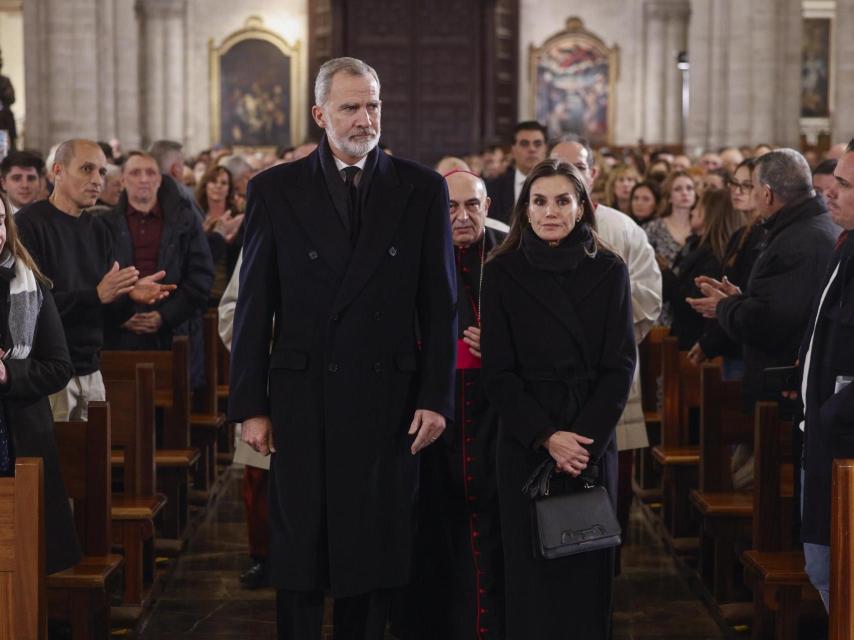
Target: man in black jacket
x,y
769,316
827,359
155,228
529,149
349,251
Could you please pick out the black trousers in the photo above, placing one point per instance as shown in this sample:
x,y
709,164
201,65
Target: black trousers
x,y
299,615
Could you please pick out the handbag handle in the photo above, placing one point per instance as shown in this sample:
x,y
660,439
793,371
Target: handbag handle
x,y
539,482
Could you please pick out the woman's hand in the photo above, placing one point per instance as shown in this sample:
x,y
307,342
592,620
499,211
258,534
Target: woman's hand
x,y
4,376
569,452
696,354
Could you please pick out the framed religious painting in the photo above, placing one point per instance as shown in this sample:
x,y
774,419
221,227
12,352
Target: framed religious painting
x,y
817,71
573,75
256,92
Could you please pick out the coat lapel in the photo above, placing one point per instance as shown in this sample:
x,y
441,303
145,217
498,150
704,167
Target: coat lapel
x,y
385,204
313,207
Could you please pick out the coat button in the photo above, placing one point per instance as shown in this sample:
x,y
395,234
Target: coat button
x,y
312,255
336,318
392,251
378,315
378,367
332,367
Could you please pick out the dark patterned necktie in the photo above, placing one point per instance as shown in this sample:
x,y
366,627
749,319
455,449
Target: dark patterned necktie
x,y
350,174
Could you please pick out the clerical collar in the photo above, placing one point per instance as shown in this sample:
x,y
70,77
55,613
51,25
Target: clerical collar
x,y
341,165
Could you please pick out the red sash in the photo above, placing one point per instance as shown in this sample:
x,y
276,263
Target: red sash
x,y
465,358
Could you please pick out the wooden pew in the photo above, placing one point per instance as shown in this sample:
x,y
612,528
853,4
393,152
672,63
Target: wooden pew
x,y
134,510
842,551
774,567
726,514
174,457
23,610
646,483
678,453
207,422
225,449
81,594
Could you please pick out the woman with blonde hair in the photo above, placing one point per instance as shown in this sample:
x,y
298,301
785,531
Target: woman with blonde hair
x,y
618,188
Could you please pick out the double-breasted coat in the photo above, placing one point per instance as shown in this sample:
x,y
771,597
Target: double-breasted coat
x,y
558,354
364,335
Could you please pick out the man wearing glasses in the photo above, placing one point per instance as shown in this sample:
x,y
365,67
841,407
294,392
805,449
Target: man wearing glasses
x,y
528,150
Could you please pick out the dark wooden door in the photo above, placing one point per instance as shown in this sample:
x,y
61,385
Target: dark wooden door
x,y
448,68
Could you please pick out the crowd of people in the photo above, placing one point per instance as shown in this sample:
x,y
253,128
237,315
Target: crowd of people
x,y
454,334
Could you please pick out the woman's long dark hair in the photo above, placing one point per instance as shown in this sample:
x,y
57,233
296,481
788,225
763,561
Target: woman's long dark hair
x,y
519,218
202,193
722,220
730,260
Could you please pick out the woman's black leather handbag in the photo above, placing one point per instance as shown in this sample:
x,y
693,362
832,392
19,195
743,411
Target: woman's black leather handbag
x,y
570,523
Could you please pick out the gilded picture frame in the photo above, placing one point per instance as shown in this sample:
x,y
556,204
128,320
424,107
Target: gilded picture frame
x,y
573,77
252,104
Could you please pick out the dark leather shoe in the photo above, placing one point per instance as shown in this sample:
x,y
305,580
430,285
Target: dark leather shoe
x,y
254,577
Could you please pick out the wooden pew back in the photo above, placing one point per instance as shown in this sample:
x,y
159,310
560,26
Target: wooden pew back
x,y
172,384
842,552
206,397
84,460
773,480
23,611
723,424
681,394
132,425
649,353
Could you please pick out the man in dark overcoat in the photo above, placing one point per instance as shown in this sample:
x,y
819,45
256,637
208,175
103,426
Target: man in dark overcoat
x,y
348,254
458,589
827,360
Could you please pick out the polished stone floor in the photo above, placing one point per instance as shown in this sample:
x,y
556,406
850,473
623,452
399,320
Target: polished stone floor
x,y
203,599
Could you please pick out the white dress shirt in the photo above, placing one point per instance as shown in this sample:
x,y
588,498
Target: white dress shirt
x,y
518,181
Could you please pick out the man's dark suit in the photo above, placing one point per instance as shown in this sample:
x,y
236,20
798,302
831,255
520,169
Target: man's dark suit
x,y
829,431
502,192
364,336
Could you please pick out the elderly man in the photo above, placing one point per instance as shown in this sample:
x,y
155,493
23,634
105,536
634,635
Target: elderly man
x,y
767,315
350,251
827,359
89,286
457,591
20,177
529,149
630,242
155,228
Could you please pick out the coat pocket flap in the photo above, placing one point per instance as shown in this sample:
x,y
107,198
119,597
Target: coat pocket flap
x,y
406,361
289,359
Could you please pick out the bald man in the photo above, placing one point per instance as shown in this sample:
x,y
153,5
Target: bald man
x,y
75,250
457,589
629,241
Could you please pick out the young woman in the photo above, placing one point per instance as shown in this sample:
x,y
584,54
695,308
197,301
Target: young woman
x,y
713,223
644,201
618,189
558,359
34,363
670,230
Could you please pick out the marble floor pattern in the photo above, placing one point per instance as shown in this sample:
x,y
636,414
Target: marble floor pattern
x,y
203,599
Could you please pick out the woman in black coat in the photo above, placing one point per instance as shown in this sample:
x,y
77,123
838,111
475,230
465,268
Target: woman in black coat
x,y
558,358
34,363
713,223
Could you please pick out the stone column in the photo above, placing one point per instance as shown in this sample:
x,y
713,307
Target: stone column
x,y
654,45
128,87
162,64
699,52
843,103
677,40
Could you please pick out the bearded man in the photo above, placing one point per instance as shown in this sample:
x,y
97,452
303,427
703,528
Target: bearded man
x,y
348,253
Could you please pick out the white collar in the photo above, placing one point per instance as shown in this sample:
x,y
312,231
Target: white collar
x,y
520,177
14,208
341,165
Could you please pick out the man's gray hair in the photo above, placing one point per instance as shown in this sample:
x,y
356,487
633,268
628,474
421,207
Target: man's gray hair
x,y
580,140
352,66
786,172
163,151
236,165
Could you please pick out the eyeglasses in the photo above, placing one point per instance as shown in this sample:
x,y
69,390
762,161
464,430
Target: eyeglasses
x,y
743,187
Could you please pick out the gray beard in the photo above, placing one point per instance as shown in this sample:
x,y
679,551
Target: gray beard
x,y
354,149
